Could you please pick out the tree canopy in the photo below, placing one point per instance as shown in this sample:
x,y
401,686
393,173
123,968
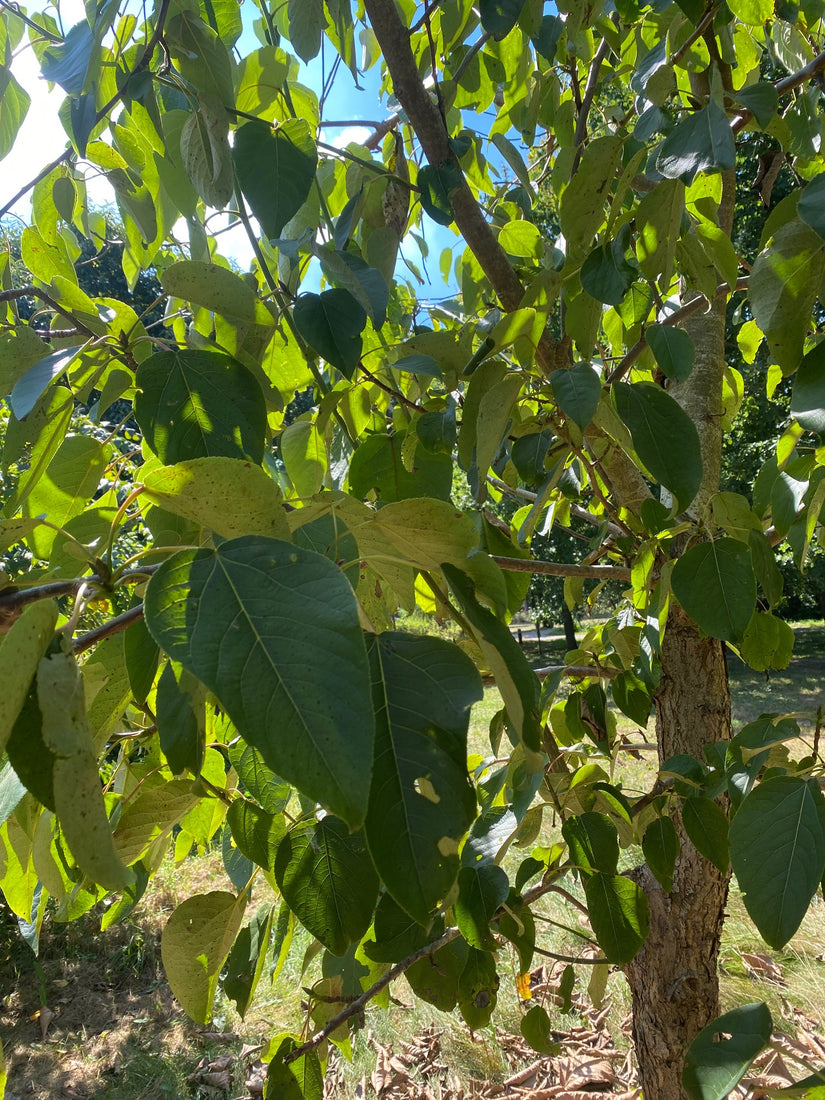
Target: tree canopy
x,y
201,610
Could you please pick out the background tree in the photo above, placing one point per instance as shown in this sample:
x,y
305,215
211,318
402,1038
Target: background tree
x,y
256,656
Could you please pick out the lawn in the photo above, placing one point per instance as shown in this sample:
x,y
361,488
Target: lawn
x,y
93,1016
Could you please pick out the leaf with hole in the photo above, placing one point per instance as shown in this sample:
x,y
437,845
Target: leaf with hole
x,y
720,1055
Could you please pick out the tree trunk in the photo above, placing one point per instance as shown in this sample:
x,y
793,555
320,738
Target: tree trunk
x,y
674,980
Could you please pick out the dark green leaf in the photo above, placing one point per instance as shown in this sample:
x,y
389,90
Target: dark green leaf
x,y
762,100
29,755
180,720
703,142
68,62
275,170
715,583
435,978
273,631
529,451
256,832
438,182
419,364
535,1027
325,875
421,802
517,925
719,1056
576,393
28,390
477,989
332,323
632,697
664,437
193,404
481,890
378,467
396,935
707,826
268,789
606,275
619,915
812,202
593,842
660,845
246,959
779,867
141,652
301,1079
498,17
674,350
808,398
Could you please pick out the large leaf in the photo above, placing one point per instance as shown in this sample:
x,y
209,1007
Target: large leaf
x,y
664,436
808,398
707,826
195,942
593,842
715,583
498,17
719,1056
332,324
378,467
577,392
272,629
229,496
421,802
20,653
327,878
674,350
702,142
275,170
300,1079
777,843
784,284
619,915
194,404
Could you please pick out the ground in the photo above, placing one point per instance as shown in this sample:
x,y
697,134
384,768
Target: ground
x,y
93,1016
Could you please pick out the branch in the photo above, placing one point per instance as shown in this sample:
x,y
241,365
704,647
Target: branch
x,y
106,630
577,671
36,292
394,39
675,318
587,102
575,509
563,569
356,1007
787,84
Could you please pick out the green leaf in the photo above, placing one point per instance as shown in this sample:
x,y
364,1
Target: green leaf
x,y
332,324
619,915
378,467
268,789
779,867
784,284
477,989
535,1027
498,17
660,845
761,98
301,1079
194,944
215,288
674,350
811,202
16,102
706,824
715,583
67,63
304,452
307,22
767,642
702,142
256,832
514,677
78,796
207,157
180,720
593,842
753,12
808,398
247,959
229,496
141,653
35,381
326,877
664,436
582,204
438,183
196,404
419,364
606,275
300,696
201,56
21,650
577,392
275,170
396,934
481,890
719,1056
435,977
658,226
421,801
528,453
522,239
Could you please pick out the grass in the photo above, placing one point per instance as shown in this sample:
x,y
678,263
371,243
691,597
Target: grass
x,y
118,1033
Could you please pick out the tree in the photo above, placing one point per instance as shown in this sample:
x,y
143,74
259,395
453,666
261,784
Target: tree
x,y
252,653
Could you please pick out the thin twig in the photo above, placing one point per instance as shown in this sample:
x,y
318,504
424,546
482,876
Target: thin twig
x,y
563,569
587,102
577,671
106,630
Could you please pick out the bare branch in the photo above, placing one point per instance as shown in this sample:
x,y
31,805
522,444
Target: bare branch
x,y
563,569
576,672
106,630
587,101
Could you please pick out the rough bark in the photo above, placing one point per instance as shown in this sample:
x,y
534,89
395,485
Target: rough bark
x,y
673,980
